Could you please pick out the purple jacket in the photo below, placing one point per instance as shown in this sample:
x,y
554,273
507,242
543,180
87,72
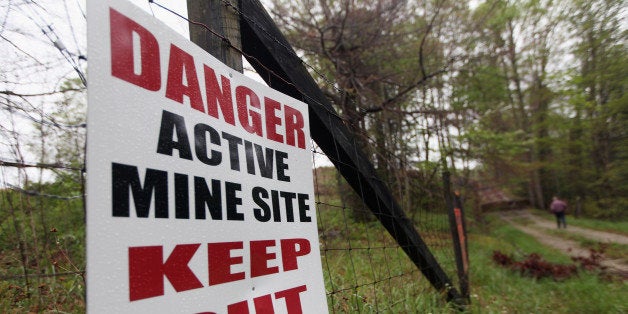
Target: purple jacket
x,y
558,206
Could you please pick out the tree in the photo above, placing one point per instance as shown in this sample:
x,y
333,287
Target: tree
x,y
42,134
380,61
600,104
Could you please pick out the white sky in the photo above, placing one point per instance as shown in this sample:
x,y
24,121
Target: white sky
x,y
32,63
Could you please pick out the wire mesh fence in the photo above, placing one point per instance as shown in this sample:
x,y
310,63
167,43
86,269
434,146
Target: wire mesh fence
x,y
42,245
367,264
365,268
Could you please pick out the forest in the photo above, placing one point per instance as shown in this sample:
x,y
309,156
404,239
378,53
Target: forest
x,y
527,97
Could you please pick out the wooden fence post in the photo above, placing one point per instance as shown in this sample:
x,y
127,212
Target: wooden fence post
x,y
222,19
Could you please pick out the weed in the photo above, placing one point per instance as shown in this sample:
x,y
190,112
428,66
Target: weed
x,y
535,266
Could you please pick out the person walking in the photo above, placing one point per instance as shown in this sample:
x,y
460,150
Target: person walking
x,y
558,208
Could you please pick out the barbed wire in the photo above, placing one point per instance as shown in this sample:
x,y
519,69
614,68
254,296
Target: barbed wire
x,y
248,56
362,133
286,48
330,111
20,164
63,274
36,193
331,82
24,95
31,10
367,247
25,115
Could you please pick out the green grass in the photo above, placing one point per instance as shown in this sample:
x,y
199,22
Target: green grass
x,y
364,269
620,227
616,226
611,250
500,290
494,289
520,244
52,236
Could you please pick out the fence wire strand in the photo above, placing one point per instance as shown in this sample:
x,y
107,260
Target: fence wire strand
x,y
365,269
358,274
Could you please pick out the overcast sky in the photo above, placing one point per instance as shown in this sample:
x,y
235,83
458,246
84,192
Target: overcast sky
x,y
41,43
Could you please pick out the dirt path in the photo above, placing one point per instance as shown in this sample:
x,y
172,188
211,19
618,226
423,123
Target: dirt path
x,y
538,227
600,236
